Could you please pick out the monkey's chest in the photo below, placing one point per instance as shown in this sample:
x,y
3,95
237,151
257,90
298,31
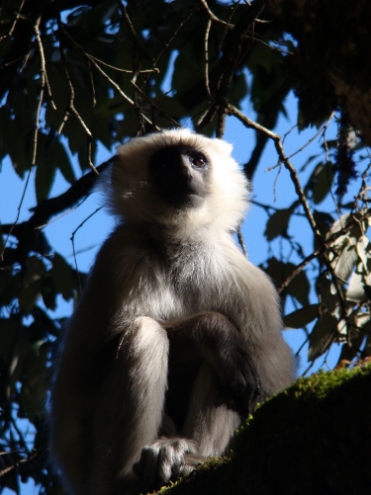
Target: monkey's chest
x,y
199,285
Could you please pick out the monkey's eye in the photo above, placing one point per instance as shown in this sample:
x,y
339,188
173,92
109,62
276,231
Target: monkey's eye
x,y
198,161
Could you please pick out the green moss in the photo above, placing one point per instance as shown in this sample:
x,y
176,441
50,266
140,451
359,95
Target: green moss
x,y
313,438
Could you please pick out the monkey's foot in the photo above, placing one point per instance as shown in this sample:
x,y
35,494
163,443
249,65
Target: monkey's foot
x,y
167,459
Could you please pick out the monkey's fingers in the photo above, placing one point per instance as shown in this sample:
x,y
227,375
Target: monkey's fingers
x,y
165,460
190,461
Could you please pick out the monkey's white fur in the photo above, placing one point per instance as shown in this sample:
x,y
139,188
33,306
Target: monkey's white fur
x,y
227,192
159,265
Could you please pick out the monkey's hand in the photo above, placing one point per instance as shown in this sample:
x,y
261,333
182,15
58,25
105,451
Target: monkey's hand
x,y
238,375
232,358
167,459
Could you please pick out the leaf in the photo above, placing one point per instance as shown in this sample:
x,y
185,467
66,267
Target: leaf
x,y
11,144
349,353
35,270
265,57
323,220
172,106
83,156
355,292
345,247
186,72
21,350
75,134
367,289
277,224
34,386
362,250
238,89
58,157
321,336
8,290
20,104
299,288
49,292
45,173
11,481
29,296
102,131
345,263
31,290
324,176
328,295
8,335
127,127
62,276
301,317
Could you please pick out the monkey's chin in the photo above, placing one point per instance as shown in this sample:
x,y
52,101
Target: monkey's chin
x,y
186,201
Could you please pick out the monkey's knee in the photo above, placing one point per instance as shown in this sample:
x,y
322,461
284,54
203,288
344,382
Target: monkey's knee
x,y
150,339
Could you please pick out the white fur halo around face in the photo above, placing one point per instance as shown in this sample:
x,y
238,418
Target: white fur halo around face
x,y
130,195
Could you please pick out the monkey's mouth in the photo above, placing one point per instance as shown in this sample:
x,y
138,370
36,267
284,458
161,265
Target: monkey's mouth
x,y
184,199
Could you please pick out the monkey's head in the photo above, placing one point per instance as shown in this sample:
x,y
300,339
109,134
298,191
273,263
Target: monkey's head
x,y
178,178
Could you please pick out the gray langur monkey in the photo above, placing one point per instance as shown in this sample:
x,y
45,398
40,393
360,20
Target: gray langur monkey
x,y
176,335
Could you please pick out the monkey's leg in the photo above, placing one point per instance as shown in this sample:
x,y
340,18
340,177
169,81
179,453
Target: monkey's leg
x,y
129,404
208,430
210,423
209,344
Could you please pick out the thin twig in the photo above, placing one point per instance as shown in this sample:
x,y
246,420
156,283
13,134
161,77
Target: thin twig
x,y
126,71
167,44
121,93
36,132
21,439
17,16
322,130
299,191
92,84
213,16
42,90
206,52
72,239
264,43
283,159
220,123
71,106
29,458
90,161
324,247
4,66
131,27
154,104
107,77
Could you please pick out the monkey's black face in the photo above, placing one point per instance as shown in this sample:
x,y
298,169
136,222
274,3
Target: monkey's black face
x,y
180,175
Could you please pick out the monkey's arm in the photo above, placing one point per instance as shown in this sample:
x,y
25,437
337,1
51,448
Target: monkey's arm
x,y
252,303
216,341
108,393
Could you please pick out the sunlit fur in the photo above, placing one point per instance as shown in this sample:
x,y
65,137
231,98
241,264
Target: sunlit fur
x,y
159,267
133,197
